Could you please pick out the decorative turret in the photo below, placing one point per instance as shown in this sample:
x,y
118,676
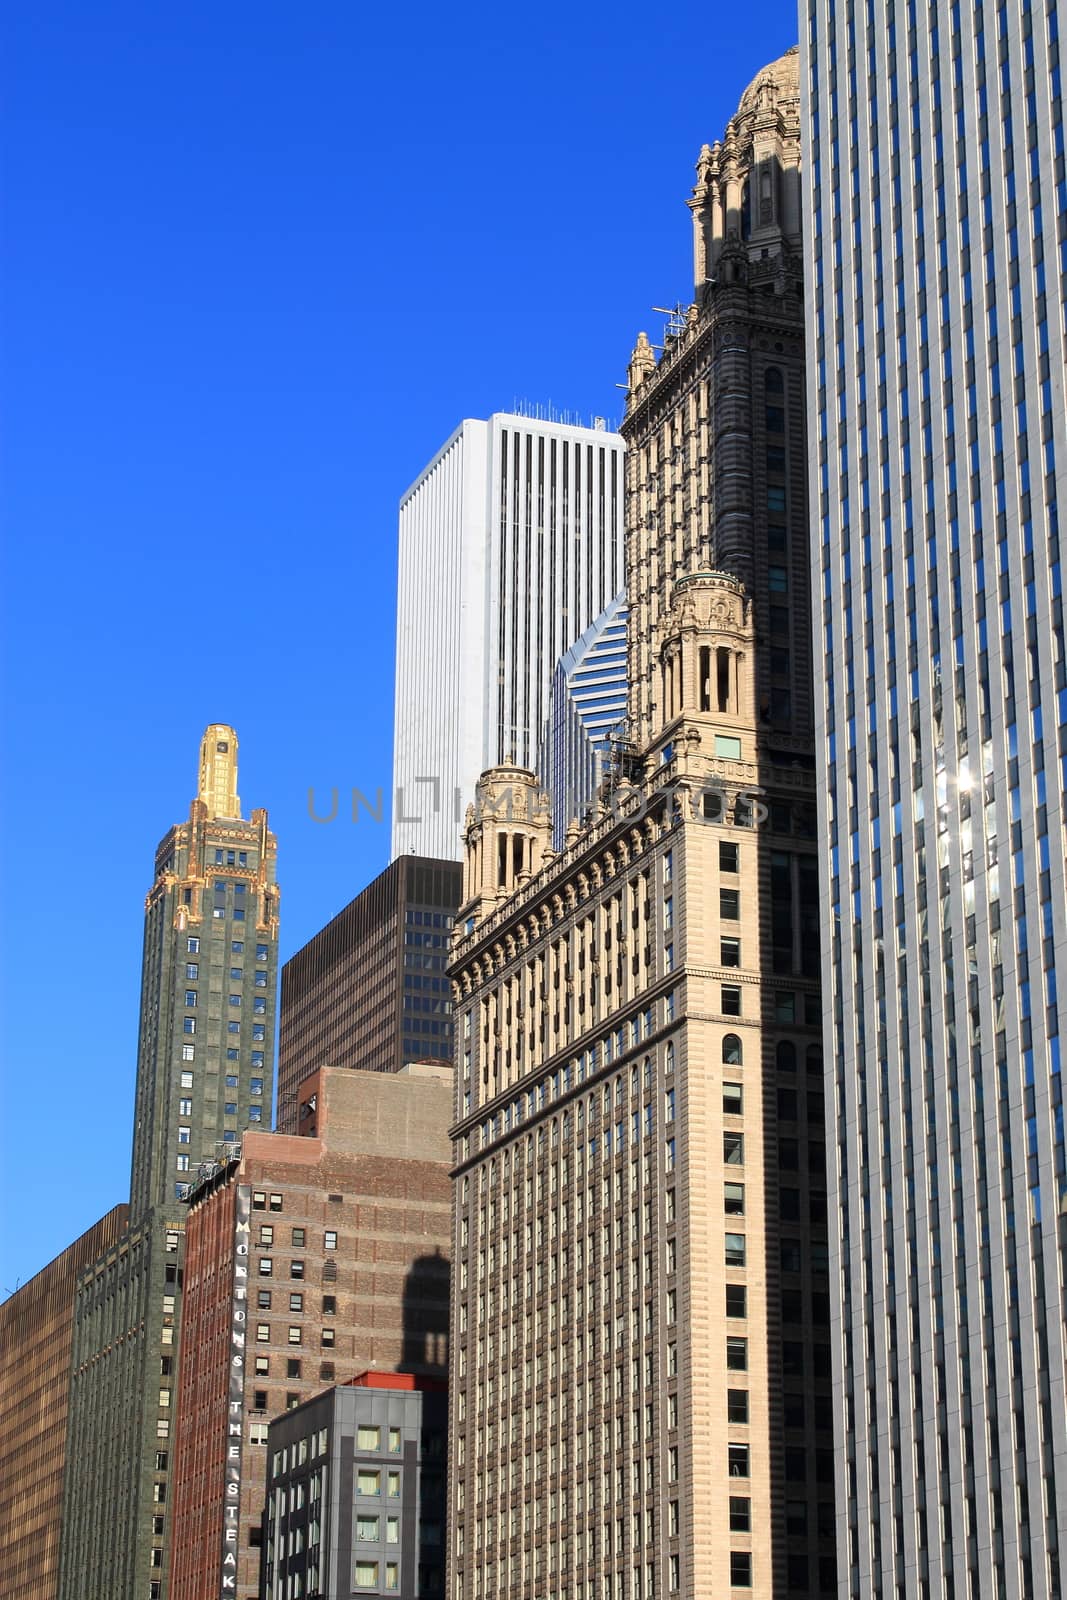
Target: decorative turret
x,y
642,362
746,200
706,663
507,837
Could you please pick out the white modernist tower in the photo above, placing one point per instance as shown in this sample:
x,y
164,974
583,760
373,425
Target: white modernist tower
x,y
511,544
936,215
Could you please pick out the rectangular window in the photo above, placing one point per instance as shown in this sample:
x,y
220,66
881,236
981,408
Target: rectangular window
x,y
740,1569
729,904
736,1300
740,1514
727,747
735,1249
368,1529
296,1268
394,1441
737,1460
296,1302
737,1354
329,1241
731,1000
188,1054
255,1086
298,1237
266,1266
188,1024
329,1338
733,1099
185,1109
263,1299
262,1366
192,944
368,1438
734,1199
393,1485
733,1149
392,1575
366,1575
263,1332
368,1481
294,1336
730,952
183,1163
737,1405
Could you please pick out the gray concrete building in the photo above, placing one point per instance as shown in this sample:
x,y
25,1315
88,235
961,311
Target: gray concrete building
x,y
935,220
356,1492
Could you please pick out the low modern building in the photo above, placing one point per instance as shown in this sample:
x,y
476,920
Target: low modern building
x,y
369,991
36,1330
356,1492
308,1261
586,710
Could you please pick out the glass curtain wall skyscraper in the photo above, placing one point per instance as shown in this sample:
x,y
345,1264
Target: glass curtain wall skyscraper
x,y
936,221
586,709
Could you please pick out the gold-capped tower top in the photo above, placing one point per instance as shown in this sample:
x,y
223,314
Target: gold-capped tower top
x,y
218,771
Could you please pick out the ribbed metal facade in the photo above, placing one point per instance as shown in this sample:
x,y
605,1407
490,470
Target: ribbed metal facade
x,y
936,215
510,546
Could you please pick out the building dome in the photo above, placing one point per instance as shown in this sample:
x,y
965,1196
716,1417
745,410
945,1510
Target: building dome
x,y
778,81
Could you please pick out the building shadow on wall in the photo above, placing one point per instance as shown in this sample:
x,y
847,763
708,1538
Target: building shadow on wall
x,y
425,1317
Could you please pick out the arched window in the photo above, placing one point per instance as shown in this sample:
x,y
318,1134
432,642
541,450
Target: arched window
x,y
731,1050
786,1056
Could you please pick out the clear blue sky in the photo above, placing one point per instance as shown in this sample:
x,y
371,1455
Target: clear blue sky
x,y
260,260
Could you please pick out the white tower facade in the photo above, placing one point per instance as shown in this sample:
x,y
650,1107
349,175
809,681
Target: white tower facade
x,y
936,273
511,544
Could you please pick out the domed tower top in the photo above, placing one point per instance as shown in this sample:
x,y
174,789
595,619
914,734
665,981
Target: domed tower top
x,y
779,82
746,200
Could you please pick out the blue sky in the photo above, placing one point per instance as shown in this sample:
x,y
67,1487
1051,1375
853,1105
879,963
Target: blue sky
x,y
260,260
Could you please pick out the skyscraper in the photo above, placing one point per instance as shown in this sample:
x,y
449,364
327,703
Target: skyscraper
x,y
936,210
369,990
586,708
205,1046
510,546
640,1382
36,1325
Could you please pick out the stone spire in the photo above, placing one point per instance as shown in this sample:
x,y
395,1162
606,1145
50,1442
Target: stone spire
x,y
218,771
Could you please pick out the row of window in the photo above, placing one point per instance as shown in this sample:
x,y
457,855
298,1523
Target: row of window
x,y
192,945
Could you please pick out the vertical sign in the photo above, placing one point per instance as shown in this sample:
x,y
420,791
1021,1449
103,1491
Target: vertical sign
x,y
236,1398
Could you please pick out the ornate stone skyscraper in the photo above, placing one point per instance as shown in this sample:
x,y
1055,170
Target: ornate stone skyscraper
x,y
641,1399
204,1073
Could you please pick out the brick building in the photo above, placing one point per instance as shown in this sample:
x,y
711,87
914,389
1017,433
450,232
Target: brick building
x,y
308,1260
369,991
36,1329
